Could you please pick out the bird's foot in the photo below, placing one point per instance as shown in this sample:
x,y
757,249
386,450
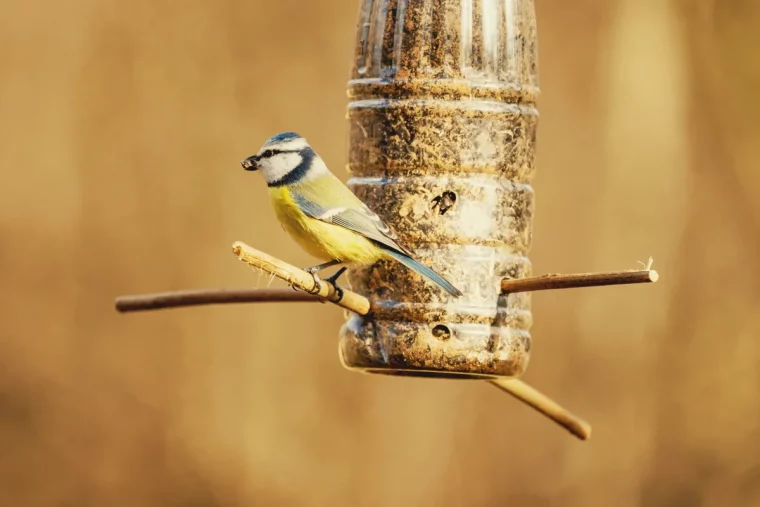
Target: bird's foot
x,y
334,281
317,283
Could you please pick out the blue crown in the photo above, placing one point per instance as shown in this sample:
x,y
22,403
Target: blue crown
x,y
283,136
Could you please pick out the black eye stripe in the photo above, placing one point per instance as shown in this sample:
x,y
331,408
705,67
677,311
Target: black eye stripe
x,y
272,153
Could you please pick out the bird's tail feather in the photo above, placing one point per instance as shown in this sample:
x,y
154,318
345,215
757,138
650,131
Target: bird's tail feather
x,y
424,271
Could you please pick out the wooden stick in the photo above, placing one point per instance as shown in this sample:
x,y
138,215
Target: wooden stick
x,y
359,304
180,298
300,279
197,297
546,406
557,281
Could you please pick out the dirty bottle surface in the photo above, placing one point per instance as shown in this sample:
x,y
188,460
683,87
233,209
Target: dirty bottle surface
x,y
441,145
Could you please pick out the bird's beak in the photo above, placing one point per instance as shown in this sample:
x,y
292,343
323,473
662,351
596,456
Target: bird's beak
x,y
251,163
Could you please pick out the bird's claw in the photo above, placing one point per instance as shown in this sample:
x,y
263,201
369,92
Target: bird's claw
x,y
317,284
334,281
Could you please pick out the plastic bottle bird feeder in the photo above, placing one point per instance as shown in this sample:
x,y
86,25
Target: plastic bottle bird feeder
x,y
442,136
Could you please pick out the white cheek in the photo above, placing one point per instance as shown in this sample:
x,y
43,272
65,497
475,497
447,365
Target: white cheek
x,y
275,168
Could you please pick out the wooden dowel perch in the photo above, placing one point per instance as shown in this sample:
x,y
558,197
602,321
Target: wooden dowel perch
x,y
299,278
556,281
359,304
182,298
197,297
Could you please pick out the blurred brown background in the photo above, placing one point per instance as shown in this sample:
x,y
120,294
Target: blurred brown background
x,y
123,124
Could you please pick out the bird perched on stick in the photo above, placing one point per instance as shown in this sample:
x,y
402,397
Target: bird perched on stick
x,y
323,215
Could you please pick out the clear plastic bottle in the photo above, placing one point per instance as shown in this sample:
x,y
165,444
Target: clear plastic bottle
x,y
442,136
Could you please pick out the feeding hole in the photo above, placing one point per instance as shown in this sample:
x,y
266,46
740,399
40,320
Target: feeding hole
x,y
445,201
441,332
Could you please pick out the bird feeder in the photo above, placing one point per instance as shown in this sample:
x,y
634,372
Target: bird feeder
x,y
442,134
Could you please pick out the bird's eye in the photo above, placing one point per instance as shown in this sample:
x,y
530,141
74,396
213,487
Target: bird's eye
x,y
267,154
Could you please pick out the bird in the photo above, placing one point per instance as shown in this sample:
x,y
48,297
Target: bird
x,y
324,216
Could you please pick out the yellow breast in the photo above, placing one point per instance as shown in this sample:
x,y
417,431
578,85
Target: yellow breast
x,y
322,240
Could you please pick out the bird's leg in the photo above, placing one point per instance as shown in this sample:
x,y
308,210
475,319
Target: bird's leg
x,y
334,280
313,272
320,267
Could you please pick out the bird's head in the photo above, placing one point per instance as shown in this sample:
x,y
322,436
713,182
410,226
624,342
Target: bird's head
x,y
284,159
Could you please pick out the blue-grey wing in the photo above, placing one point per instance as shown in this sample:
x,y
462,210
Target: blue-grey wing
x,y
361,220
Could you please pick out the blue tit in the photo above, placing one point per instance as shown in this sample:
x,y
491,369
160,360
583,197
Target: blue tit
x,y
323,215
